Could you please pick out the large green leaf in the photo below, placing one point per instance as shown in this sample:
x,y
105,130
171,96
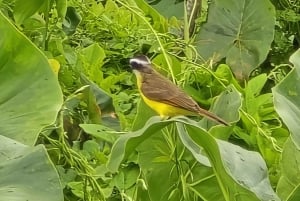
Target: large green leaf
x,y
288,187
158,162
287,99
287,104
27,173
30,94
233,165
241,174
240,31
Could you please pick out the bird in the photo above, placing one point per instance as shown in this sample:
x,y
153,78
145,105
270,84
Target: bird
x,y
162,95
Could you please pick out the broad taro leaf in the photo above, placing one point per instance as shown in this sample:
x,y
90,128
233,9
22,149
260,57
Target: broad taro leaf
x,y
240,31
27,173
287,99
30,95
157,159
233,165
240,173
288,187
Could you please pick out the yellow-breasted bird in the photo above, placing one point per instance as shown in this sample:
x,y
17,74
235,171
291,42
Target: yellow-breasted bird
x,y
162,95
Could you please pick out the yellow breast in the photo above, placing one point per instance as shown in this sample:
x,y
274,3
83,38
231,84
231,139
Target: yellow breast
x,y
165,110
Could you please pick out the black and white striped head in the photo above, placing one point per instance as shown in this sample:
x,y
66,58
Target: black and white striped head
x,y
140,63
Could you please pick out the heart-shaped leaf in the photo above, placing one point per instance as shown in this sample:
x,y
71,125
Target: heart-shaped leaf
x,y
240,31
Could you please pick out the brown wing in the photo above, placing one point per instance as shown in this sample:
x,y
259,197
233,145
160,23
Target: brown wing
x,y
158,88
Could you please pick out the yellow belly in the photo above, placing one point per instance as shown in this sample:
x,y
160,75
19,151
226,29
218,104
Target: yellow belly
x,y
165,110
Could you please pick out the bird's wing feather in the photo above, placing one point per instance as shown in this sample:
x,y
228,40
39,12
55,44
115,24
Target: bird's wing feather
x,y
162,90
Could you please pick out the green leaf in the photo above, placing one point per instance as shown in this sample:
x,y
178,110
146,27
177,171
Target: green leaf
x,y
127,143
144,112
224,73
288,187
93,54
104,101
27,173
160,60
159,22
169,8
72,20
241,32
229,161
227,106
255,85
229,100
252,91
287,99
191,145
25,9
61,7
127,177
233,165
30,95
159,165
85,95
91,60
100,131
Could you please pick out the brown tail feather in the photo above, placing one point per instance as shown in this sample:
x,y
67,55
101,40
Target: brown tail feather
x,y
213,117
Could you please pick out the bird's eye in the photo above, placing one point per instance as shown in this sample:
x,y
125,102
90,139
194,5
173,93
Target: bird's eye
x,y
135,65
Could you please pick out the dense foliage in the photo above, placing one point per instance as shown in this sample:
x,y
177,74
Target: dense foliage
x,y
73,126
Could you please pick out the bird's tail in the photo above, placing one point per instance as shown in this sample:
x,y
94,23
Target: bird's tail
x,y
212,116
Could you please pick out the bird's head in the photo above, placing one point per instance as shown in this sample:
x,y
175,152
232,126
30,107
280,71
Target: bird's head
x,y
141,63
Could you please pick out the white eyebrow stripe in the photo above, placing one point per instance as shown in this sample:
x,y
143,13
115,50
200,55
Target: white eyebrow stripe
x,y
139,61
